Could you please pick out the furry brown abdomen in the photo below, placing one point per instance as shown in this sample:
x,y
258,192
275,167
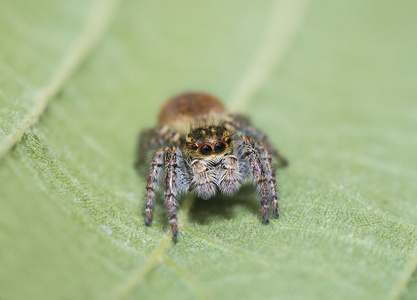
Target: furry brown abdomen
x,y
190,105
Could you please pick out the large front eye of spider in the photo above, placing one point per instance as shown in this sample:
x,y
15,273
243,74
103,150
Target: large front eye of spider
x,y
219,147
206,149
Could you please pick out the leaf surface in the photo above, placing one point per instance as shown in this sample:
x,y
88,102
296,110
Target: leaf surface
x,y
333,85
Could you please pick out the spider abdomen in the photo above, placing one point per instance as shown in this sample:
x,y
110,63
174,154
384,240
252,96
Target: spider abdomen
x,y
190,106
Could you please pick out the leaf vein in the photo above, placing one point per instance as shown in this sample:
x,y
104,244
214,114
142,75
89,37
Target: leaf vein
x,y
187,278
348,239
285,20
227,247
410,268
94,29
136,278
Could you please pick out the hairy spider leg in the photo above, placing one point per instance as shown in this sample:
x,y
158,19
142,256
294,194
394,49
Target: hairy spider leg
x,y
258,173
266,158
154,175
170,187
243,124
161,135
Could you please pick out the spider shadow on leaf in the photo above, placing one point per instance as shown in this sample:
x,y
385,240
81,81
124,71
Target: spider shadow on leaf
x,y
223,207
204,211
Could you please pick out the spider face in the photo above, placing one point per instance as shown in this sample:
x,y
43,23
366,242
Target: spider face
x,y
202,149
208,141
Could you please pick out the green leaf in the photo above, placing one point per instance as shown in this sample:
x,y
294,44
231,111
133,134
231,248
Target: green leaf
x,y
333,85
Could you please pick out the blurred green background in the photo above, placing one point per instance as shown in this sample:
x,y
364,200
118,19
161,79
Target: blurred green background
x,y
334,85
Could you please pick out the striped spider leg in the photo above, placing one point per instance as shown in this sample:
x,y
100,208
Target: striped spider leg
x,y
164,161
202,149
252,158
243,124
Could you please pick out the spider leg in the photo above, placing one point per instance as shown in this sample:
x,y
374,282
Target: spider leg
x,y
170,187
243,124
152,181
266,158
251,152
155,137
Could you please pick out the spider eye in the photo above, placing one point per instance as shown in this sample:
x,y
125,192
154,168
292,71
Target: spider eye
x,y
219,147
206,149
228,140
190,134
194,147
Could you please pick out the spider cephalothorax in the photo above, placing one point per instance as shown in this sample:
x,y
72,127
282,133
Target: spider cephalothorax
x,y
207,140
201,148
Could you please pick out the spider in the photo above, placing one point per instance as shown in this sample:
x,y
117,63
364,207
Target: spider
x,y
201,148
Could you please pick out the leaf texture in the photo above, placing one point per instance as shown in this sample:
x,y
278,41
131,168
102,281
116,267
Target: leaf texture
x,y
333,84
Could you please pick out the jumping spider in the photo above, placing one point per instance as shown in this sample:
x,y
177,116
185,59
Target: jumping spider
x,y
199,147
